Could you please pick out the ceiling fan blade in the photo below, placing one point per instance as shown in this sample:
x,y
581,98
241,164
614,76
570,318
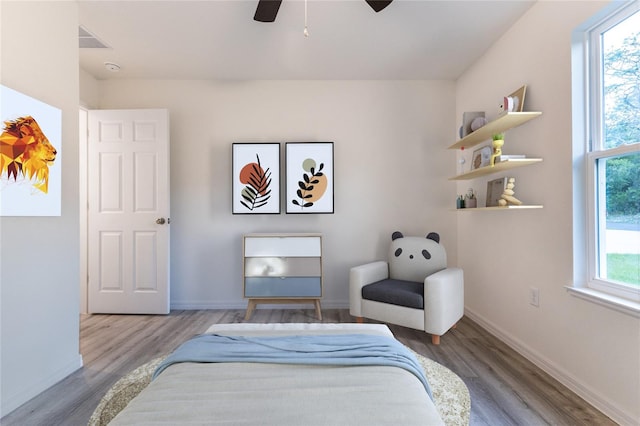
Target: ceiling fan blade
x,y
267,10
378,5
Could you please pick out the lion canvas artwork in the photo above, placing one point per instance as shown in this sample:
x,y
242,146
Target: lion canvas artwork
x,y
26,152
30,173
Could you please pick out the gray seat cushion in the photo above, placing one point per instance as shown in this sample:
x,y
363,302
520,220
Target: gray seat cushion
x,y
396,292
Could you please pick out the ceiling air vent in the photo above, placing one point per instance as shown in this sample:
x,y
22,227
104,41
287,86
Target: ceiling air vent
x,y
86,40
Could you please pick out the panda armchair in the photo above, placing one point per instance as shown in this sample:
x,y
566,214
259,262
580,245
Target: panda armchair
x,y
413,289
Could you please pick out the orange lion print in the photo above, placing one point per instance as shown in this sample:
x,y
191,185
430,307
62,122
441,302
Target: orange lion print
x,y
26,152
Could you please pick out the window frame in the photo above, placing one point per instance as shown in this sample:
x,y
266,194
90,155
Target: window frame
x,y
594,229
588,100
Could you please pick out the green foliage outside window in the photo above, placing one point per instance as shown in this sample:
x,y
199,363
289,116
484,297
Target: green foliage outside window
x,y
623,186
622,126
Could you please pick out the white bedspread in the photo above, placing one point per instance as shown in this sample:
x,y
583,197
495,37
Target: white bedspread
x,y
276,394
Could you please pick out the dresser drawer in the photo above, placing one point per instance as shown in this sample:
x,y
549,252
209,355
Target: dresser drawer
x,y
303,246
282,267
283,287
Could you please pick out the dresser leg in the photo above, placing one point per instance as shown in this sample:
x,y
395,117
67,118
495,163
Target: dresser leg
x,y
318,309
250,307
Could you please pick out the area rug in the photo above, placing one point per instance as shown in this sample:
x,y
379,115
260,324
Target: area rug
x,y
450,394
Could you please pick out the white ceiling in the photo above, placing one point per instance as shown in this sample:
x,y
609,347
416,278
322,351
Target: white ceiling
x,y
218,39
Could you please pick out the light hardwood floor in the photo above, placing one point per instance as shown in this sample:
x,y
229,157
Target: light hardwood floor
x,y
505,388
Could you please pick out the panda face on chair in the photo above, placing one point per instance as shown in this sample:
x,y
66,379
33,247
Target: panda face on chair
x,y
425,253
413,256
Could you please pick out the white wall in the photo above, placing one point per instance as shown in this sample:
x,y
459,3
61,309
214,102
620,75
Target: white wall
x,y
39,268
390,168
89,90
592,349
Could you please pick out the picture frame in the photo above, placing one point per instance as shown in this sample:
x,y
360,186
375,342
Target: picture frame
x,y
309,177
481,157
467,119
255,178
519,96
495,188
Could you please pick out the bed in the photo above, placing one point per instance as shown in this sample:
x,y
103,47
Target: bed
x,y
242,392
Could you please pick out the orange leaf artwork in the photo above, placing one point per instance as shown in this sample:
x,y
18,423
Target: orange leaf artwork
x,y
256,192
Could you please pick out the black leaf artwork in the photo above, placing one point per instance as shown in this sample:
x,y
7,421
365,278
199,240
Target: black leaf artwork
x,y
306,187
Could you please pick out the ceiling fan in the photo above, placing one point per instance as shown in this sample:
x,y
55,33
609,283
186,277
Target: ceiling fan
x,y
268,9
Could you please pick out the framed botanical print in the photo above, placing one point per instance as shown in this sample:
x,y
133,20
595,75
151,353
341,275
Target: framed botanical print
x,y
309,177
256,178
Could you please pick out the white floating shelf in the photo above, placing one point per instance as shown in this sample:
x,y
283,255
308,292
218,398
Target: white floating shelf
x,y
499,125
521,207
498,167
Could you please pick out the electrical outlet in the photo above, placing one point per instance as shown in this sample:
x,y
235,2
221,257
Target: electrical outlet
x,y
534,296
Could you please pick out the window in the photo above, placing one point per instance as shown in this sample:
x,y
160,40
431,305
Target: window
x,y
612,154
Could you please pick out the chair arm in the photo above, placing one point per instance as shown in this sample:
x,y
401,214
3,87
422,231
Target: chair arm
x,y
443,300
359,276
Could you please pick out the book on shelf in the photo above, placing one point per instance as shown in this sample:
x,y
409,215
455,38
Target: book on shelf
x,y
507,157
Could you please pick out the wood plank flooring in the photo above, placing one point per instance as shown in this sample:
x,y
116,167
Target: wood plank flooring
x,y
505,388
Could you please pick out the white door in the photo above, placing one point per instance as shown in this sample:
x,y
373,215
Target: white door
x,y
128,237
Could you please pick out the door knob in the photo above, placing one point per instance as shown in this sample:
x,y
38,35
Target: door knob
x,y
160,221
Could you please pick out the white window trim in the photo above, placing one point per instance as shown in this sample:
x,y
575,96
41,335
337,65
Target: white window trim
x,y
619,304
585,286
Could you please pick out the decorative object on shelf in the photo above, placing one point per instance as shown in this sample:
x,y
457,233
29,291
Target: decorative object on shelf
x,y
495,189
256,178
468,118
481,157
461,161
508,193
470,200
507,104
498,142
514,102
30,156
477,123
309,177
460,202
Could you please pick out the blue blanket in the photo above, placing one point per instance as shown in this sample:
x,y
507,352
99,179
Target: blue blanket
x,y
342,349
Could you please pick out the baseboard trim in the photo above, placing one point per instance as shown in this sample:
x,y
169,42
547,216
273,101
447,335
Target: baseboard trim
x,y
34,389
598,400
200,305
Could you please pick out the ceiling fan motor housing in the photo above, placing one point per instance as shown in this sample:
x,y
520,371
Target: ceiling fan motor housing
x,y
267,10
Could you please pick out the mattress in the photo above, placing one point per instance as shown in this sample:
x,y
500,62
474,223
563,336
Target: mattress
x,y
242,393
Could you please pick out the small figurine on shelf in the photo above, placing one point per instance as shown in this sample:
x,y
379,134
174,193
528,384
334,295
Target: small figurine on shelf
x,y
498,141
470,200
507,196
462,160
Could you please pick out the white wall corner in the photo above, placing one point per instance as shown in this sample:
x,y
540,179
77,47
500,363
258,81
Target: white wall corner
x,y
17,397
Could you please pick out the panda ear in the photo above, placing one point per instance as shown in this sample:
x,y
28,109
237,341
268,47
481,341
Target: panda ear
x,y
396,235
434,236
